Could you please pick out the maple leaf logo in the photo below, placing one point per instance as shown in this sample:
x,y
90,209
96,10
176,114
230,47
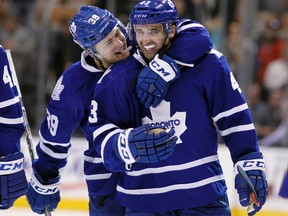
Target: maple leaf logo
x,y
58,89
161,115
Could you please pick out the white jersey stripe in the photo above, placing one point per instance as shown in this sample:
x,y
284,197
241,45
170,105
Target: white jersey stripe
x,y
104,142
103,129
192,25
239,128
51,153
11,120
9,102
171,187
184,166
93,159
52,143
230,112
98,176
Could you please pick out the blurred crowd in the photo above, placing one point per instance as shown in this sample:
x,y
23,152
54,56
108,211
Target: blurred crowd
x,y
36,32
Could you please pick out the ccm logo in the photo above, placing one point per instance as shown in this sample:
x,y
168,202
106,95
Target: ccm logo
x,y
159,69
11,166
254,164
44,190
124,148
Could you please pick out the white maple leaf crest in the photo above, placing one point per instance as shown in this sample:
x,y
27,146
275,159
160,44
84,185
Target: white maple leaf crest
x,y
161,115
57,89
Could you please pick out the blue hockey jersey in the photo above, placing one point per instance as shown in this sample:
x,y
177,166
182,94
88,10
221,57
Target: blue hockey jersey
x,y
69,108
11,120
204,98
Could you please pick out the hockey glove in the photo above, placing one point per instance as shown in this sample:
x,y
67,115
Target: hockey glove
x,y
13,182
145,144
254,166
153,81
42,194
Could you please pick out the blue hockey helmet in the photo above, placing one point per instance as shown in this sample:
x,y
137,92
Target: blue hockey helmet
x,y
90,25
155,11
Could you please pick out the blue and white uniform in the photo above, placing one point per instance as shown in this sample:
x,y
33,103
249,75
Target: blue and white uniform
x,y
68,109
11,120
205,96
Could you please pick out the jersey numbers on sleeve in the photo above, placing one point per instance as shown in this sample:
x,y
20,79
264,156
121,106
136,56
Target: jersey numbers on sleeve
x,y
234,83
93,115
6,77
52,123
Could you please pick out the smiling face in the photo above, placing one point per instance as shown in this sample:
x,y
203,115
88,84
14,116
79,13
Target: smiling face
x,y
110,49
151,38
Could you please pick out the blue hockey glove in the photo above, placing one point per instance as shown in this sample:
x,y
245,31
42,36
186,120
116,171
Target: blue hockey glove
x,y
145,144
42,194
254,166
13,182
153,81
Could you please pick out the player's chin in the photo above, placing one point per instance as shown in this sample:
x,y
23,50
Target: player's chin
x,y
121,56
149,55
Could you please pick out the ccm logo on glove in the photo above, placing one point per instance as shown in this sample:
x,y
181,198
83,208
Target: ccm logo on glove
x,y
123,146
10,167
165,70
44,189
254,163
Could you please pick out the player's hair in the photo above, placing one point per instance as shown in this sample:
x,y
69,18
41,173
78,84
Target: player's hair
x,y
90,25
155,11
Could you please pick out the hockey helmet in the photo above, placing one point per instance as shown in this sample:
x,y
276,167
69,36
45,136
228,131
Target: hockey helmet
x,y
90,25
155,11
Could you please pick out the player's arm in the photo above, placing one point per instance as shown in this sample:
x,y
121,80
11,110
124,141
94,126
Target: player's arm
x,y
191,42
120,146
232,117
52,150
13,183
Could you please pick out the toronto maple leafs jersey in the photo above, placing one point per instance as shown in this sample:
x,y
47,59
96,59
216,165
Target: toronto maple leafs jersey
x,y
11,120
204,98
68,109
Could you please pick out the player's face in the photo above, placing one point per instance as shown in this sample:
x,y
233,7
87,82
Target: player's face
x,y
110,49
151,38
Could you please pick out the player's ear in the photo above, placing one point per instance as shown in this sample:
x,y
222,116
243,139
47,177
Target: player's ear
x,y
172,31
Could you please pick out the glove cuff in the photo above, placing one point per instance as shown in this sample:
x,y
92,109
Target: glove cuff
x,y
10,166
44,189
122,147
251,161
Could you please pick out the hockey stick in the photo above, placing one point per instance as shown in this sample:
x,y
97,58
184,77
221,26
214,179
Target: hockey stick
x,y
29,137
253,194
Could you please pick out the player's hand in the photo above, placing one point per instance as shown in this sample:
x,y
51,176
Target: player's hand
x,y
42,194
145,144
13,183
153,81
254,166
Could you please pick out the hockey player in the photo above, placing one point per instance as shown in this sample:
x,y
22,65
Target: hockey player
x,y
13,183
206,95
99,33
69,108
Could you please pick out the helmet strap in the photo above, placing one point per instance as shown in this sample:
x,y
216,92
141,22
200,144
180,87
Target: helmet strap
x,y
99,63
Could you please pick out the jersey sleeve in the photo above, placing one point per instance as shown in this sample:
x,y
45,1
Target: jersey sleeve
x,y
113,109
228,107
191,42
63,115
11,119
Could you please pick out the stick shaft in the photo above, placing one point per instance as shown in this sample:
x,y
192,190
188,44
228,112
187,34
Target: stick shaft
x,y
29,138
